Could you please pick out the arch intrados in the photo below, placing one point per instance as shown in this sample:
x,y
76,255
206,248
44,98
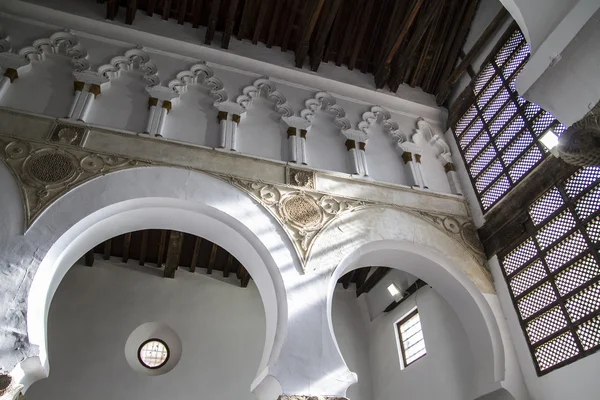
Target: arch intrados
x,y
158,213
452,285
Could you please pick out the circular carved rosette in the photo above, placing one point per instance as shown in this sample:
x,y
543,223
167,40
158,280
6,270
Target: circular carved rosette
x,y
92,164
16,150
49,168
451,225
302,211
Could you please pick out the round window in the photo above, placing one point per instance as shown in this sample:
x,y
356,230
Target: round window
x,y
153,353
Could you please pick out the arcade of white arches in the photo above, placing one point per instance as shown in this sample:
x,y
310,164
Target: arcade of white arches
x,y
299,200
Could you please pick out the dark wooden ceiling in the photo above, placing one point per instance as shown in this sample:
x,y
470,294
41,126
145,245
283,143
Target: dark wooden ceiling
x,y
416,42
169,250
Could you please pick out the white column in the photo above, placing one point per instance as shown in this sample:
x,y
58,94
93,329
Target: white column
x,y
10,75
93,92
452,178
292,144
235,120
419,169
223,128
303,154
407,157
164,110
78,87
363,158
351,147
152,103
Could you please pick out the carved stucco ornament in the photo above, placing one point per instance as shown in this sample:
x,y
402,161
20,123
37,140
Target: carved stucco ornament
x,y
46,171
301,178
580,144
67,134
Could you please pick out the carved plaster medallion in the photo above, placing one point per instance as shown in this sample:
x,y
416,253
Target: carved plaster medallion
x,y
67,134
301,178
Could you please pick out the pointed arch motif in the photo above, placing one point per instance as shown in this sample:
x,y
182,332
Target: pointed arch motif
x,y
61,43
263,87
133,59
201,74
435,139
324,102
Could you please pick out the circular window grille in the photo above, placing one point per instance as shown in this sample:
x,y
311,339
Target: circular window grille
x,y
153,353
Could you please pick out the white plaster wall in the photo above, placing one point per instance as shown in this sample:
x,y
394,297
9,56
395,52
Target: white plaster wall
x,y
444,373
221,326
325,146
579,379
384,158
259,131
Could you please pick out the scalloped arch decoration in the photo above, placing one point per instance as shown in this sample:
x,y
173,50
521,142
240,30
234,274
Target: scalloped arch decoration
x,y
435,139
133,59
60,43
200,74
380,116
325,103
263,87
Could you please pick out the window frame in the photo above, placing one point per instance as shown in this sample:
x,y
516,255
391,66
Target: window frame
x,y
398,325
486,134
165,361
581,226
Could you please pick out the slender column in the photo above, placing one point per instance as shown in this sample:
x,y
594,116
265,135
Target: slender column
x,y
351,147
10,75
223,128
419,169
303,153
152,103
235,119
93,92
407,157
78,87
452,178
164,110
292,144
363,158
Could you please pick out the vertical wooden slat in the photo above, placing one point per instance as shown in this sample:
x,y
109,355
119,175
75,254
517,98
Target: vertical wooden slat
x,y
418,74
211,26
182,11
373,280
112,8
173,254
227,266
89,258
166,11
244,277
195,254
274,22
244,21
365,16
229,23
126,246
441,37
348,36
262,11
150,7
144,248
197,13
335,36
307,30
107,249
211,260
329,15
161,248
373,38
347,279
289,26
361,276
131,10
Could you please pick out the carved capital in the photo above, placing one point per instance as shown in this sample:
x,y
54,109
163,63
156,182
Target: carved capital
x,y
78,86
418,158
236,118
350,144
152,102
222,116
11,74
407,157
167,105
95,90
291,131
449,167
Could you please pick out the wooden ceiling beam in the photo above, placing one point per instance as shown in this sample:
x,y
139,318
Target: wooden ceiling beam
x,y
384,69
412,289
289,26
265,5
274,22
365,15
329,14
446,87
211,260
211,25
244,276
161,248
347,38
166,11
112,8
144,248
419,70
428,15
107,249
395,28
361,276
373,38
244,21
227,266
173,254
347,279
126,246
229,23
441,38
195,254
182,12
150,7
309,25
89,258
373,280
131,10
197,13
334,37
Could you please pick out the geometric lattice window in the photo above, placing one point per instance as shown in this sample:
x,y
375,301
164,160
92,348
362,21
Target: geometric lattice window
x,y
153,353
498,136
554,275
412,343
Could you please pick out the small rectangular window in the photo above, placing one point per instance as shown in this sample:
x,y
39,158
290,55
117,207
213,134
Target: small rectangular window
x,y
412,343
